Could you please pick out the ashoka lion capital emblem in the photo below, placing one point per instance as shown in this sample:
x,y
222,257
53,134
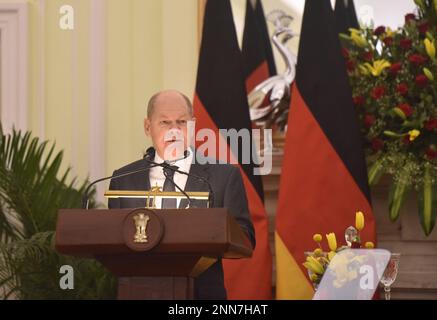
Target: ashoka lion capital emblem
x,y
141,221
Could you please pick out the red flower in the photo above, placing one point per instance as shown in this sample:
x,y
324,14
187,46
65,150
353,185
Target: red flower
x,y
423,27
378,31
350,65
431,124
377,144
402,89
358,100
378,92
410,17
431,153
421,81
417,59
395,67
388,41
406,139
406,109
368,55
345,52
369,120
405,43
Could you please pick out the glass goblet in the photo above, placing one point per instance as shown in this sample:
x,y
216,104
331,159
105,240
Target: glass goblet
x,y
390,273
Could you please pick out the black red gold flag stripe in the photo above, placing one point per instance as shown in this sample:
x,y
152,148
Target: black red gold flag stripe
x,y
345,16
324,178
257,51
220,102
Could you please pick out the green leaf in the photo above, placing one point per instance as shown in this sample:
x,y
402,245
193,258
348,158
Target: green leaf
x,y
420,4
399,113
32,189
344,36
427,198
389,133
398,192
375,171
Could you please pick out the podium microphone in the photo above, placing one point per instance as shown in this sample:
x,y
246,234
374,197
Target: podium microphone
x,y
85,199
150,154
166,165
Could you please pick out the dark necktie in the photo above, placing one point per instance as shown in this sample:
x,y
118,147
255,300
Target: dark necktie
x,y
169,203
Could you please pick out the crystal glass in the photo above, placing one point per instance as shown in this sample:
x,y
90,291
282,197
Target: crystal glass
x,y
390,273
350,235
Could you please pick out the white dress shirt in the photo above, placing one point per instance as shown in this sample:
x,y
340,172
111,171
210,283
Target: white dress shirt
x,y
157,178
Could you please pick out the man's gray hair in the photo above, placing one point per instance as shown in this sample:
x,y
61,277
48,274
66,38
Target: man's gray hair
x,y
152,100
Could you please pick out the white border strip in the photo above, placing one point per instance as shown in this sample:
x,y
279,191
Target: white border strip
x,y
74,98
97,107
14,65
41,97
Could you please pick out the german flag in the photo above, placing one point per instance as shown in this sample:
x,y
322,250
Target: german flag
x,y
258,59
262,24
220,102
324,178
345,16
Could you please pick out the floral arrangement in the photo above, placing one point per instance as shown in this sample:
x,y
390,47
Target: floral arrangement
x,y
317,261
393,75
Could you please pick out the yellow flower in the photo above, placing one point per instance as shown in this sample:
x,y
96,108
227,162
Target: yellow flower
x,y
428,74
332,241
313,265
317,237
430,48
331,255
357,38
359,220
364,71
413,134
369,245
389,32
318,252
377,67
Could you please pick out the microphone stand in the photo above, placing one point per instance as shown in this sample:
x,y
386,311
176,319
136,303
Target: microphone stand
x,y
211,193
165,165
152,164
85,199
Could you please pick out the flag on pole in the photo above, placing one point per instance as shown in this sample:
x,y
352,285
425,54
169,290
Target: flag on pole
x,y
220,102
324,178
345,16
258,59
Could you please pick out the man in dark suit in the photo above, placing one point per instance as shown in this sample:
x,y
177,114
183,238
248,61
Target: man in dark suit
x,y
168,114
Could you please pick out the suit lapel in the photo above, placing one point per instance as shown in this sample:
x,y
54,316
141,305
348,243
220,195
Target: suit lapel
x,y
141,182
194,184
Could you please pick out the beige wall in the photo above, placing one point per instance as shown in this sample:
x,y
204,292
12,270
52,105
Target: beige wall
x,y
148,45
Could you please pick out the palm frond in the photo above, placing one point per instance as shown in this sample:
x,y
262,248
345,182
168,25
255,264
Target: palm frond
x,y
32,189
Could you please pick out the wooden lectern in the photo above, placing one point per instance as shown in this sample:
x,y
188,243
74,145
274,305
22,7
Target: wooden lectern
x,y
155,254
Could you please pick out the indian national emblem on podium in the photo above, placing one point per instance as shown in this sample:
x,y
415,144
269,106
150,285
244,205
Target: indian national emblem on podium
x,y
141,221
